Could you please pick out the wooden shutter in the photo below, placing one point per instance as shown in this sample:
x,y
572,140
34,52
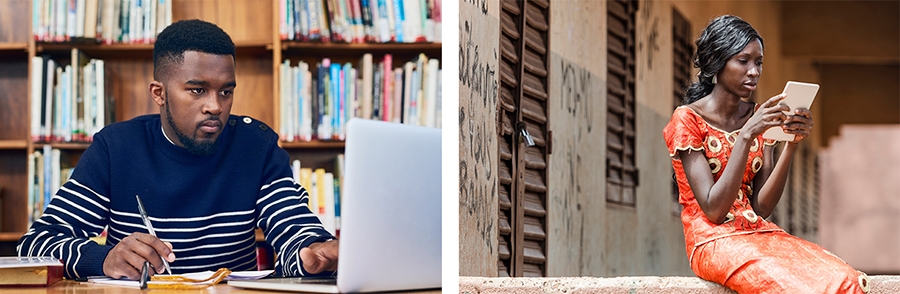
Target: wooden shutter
x,y
621,171
801,195
682,50
522,185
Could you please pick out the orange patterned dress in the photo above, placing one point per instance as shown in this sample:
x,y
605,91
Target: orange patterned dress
x,y
747,253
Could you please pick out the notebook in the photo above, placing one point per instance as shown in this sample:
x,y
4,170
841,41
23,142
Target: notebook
x,y
390,213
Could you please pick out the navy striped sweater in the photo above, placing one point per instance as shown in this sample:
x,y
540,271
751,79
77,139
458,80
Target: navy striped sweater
x,y
207,206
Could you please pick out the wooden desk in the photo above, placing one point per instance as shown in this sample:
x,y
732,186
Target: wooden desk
x,y
73,287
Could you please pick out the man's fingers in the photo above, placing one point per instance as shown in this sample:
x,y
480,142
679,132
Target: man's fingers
x,y
162,248
128,257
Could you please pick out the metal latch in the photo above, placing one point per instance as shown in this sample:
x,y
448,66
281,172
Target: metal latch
x,y
525,137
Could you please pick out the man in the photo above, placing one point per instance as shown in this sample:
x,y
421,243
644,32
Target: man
x,y
207,179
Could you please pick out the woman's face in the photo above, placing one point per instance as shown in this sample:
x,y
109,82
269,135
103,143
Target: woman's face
x,y
742,71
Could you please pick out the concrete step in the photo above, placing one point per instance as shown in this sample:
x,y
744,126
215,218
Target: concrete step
x,y
648,284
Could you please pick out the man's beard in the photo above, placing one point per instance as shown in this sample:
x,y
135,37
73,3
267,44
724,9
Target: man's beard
x,y
194,146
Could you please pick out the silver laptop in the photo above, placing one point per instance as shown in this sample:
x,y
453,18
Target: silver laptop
x,y
390,213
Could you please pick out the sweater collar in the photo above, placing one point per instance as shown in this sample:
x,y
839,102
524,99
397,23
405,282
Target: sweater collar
x,y
181,154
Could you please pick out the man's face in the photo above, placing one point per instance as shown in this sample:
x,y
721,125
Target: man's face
x,y
198,97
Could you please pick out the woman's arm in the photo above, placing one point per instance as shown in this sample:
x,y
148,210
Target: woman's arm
x,y
764,199
769,193
716,197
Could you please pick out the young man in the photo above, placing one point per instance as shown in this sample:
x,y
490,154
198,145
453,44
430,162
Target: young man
x,y
207,180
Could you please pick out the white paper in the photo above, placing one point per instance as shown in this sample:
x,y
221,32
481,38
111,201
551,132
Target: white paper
x,y
239,275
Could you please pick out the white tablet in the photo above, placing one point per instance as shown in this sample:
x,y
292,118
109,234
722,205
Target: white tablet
x,y
799,95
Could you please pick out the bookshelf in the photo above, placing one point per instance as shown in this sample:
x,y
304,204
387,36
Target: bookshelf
x,y
260,52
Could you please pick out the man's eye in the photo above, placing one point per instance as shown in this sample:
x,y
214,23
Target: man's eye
x,y
227,92
197,91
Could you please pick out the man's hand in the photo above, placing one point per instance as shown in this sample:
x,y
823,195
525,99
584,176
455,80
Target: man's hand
x,y
127,258
319,257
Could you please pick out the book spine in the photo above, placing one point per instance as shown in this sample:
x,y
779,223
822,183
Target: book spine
x,y
376,91
386,95
298,77
336,98
397,81
384,21
366,15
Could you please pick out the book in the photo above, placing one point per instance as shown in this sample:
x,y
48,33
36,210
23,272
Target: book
x,y
397,89
306,180
438,101
431,70
306,129
387,89
30,271
366,86
90,18
37,75
409,101
327,205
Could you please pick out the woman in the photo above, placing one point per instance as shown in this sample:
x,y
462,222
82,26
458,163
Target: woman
x,y
728,180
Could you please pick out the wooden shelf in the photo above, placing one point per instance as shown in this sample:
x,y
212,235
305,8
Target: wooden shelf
x,y
13,50
315,144
66,145
13,144
132,51
18,46
357,49
11,236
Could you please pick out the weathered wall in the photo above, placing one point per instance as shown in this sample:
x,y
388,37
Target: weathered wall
x,y
576,202
858,94
479,38
861,29
861,197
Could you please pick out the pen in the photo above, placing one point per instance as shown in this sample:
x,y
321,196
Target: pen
x,y
145,275
149,226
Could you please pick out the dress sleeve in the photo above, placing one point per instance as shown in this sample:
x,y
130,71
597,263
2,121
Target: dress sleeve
x,y
683,132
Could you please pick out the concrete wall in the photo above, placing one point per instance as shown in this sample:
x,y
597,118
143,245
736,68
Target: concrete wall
x,y
479,39
858,94
576,216
861,197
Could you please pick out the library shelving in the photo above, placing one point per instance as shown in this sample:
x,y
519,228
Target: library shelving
x,y
254,27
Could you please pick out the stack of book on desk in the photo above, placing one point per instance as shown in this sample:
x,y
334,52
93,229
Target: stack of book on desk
x,y
29,271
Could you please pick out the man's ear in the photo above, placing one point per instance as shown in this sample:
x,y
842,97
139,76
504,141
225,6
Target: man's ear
x,y
156,92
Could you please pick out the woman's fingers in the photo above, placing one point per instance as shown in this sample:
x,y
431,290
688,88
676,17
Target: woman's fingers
x,y
774,100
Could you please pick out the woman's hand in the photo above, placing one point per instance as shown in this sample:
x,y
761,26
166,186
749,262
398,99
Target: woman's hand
x,y
768,115
799,124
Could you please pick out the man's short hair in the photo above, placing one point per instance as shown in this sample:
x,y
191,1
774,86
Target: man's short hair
x,y
188,35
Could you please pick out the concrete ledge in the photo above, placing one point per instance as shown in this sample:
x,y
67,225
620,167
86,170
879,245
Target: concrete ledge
x,y
650,284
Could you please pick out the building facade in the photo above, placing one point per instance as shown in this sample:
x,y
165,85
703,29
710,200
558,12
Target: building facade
x,y
563,169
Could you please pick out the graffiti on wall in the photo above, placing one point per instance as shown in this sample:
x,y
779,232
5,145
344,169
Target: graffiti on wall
x,y
580,102
576,95
475,72
649,45
478,88
480,4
